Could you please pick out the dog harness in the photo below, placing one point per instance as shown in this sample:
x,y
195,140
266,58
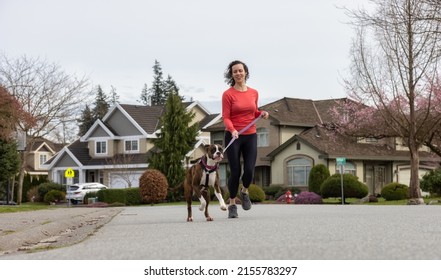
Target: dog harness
x,y
210,173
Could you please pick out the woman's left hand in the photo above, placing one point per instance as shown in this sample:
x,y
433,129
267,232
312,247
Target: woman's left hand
x,y
265,114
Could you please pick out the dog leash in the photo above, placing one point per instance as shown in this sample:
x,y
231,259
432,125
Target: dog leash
x,y
243,130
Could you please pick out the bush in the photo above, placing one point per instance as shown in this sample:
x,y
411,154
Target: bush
x,y
293,191
44,188
256,193
129,196
308,198
431,182
271,191
353,188
394,191
318,174
54,196
153,186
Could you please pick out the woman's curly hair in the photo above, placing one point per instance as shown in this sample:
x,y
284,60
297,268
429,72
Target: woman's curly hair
x,y
229,72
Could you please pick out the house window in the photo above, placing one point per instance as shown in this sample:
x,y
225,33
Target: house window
x,y
298,171
298,146
43,159
131,146
218,138
349,168
101,147
262,137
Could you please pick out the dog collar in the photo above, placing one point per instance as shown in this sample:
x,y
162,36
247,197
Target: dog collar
x,y
208,168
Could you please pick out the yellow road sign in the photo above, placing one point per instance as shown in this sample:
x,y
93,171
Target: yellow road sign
x,y
70,173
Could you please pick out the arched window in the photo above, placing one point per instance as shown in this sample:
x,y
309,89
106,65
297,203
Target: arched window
x,y
262,137
298,171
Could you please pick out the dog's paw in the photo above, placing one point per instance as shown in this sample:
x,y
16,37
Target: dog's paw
x,y
209,219
202,207
223,208
189,219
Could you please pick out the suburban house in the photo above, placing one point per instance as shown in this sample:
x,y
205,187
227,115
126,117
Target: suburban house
x,y
295,138
39,151
115,150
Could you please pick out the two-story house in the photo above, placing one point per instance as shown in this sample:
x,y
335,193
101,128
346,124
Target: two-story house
x,y
115,150
39,151
294,139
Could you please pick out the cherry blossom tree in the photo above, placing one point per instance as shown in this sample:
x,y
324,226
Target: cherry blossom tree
x,y
394,83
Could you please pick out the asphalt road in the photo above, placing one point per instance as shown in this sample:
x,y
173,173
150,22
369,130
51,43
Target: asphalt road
x,y
266,232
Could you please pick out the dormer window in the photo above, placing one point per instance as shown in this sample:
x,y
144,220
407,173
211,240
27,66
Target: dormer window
x,y
43,159
101,147
131,146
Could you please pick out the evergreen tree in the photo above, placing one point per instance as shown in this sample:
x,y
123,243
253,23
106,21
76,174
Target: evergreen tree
x,y
157,93
171,87
114,96
9,160
174,141
86,121
101,104
145,96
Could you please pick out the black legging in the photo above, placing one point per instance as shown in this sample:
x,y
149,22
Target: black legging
x,y
245,145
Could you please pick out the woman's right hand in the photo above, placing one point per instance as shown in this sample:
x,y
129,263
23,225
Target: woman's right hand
x,y
235,134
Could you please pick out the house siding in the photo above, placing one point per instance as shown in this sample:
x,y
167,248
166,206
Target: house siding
x,y
121,125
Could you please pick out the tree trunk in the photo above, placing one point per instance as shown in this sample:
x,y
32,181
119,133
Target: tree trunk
x,y
414,185
21,178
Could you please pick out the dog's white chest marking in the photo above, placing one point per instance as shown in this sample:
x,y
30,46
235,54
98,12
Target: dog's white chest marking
x,y
211,178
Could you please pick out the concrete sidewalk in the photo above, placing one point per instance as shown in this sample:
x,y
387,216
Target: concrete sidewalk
x,y
266,232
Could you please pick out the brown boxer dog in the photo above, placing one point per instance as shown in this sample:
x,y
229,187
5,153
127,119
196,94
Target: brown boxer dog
x,y
202,175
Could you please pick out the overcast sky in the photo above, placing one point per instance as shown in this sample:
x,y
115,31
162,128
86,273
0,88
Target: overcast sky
x,y
293,48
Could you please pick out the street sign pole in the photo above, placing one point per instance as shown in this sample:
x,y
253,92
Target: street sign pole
x,y
69,174
341,163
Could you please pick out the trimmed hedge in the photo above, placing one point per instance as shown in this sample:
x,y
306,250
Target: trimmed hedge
x,y
394,191
353,188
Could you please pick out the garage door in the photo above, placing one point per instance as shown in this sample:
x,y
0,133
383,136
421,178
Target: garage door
x,y
120,180
404,176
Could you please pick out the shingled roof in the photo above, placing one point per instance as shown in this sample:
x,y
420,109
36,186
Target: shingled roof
x,y
331,145
146,116
295,112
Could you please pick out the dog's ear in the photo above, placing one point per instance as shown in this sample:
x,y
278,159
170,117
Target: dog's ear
x,y
206,147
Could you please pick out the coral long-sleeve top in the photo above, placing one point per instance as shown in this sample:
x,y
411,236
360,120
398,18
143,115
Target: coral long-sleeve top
x,y
239,108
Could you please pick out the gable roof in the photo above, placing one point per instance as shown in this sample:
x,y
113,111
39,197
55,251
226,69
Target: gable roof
x,y
147,117
79,152
295,112
332,145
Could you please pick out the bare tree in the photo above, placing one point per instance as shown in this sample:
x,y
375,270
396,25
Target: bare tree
x,y
395,57
123,167
47,93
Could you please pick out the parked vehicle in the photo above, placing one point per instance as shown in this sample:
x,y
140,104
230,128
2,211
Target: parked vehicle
x,y
77,192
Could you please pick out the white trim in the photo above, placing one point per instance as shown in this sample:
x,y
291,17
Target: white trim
x,y
99,123
213,121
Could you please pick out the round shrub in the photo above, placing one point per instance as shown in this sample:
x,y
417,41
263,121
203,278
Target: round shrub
x,y
308,198
394,191
44,188
153,186
353,188
318,174
431,182
271,191
54,196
